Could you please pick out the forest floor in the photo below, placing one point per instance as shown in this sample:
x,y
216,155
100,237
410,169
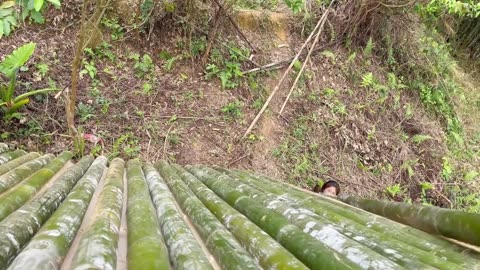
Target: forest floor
x,y
335,126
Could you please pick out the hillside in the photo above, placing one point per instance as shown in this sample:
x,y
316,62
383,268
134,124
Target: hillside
x,y
385,106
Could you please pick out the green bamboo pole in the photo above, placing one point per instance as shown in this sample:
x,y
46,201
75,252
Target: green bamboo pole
x,y
98,244
17,229
222,244
50,245
269,253
390,248
4,168
23,171
3,148
189,255
454,224
360,221
327,233
6,157
146,247
310,251
21,193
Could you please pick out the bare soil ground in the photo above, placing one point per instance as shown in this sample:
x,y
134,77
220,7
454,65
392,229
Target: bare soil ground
x,y
333,128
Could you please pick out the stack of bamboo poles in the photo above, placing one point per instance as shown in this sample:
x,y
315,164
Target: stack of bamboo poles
x,y
97,214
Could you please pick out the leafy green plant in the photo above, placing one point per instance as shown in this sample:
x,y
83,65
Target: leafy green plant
x,y
143,67
9,67
368,80
85,111
117,31
42,69
295,5
233,110
8,20
128,143
425,186
394,190
409,167
367,51
419,138
33,9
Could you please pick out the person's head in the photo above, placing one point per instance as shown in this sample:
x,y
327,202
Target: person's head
x,y
330,188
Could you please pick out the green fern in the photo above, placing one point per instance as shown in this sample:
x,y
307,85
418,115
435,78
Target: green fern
x,y
367,80
329,54
367,52
419,138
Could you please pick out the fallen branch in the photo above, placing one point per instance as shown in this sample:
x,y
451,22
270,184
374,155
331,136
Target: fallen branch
x,y
317,38
282,63
284,76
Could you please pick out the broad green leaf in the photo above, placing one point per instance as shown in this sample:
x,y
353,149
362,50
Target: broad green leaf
x,y
17,59
6,27
38,4
1,32
56,3
5,12
7,4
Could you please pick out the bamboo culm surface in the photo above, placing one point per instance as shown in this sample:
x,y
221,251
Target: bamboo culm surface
x,y
49,246
17,229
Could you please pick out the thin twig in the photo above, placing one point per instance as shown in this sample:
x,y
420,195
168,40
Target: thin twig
x,y
165,143
317,38
235,26
280,64
217,39
265,106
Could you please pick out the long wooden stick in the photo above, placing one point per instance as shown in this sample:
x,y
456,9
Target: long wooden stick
x,y
282,63
317,37
265,106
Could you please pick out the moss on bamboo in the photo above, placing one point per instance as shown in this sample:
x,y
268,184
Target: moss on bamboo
x,y
329,222
21,193
146,247
189,255
98,245
18,174
269,253
310,251
6,157
17,229
49,246
454,224
362,222
221,243
4,168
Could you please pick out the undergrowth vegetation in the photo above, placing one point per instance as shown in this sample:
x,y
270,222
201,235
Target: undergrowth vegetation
x,y
377,109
